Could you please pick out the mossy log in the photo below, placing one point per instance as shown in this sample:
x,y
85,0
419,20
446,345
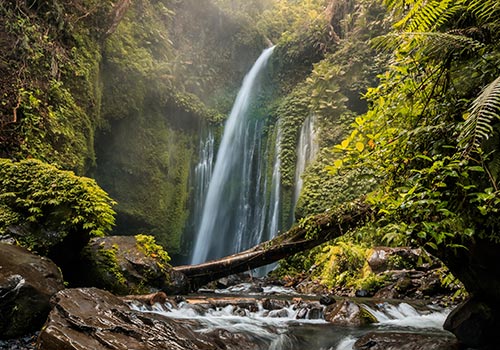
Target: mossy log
x,y
309,233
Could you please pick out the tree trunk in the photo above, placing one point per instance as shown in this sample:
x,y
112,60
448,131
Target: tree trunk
x,y
308,234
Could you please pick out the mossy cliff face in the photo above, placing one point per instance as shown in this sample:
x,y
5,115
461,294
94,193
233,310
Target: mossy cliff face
x,y
49,64
168,70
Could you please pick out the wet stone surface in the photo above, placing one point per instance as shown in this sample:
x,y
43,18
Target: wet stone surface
x,y
24,343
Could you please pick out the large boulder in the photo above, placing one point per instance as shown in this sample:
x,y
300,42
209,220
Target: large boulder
x,y
90,318
477,321
27,282
474,323
130,265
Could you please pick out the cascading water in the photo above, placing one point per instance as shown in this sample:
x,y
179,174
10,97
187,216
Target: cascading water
x,y
203,174
296,324
307,148
237,211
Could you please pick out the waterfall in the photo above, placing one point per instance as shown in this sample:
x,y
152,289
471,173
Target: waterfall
x,y
202,174
236,209
307,148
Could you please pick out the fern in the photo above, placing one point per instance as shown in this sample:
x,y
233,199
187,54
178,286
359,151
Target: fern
x,y
429,15
484,111
486,11
434,45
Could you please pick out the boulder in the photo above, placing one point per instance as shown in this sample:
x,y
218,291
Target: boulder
x,y
27,282
123,265
475,323
405,341
274,304
382,259
90,318
348,313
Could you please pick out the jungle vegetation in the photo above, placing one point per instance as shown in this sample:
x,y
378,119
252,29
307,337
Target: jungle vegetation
x,y
406,94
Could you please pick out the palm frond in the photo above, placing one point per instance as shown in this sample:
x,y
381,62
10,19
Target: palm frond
x,y
484,111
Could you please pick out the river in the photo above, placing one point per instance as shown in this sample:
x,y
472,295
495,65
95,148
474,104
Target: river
x,y
277,318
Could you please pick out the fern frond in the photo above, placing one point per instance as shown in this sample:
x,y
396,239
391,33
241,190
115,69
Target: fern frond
x,y
434,45
494,166
486,11
429,15
483,112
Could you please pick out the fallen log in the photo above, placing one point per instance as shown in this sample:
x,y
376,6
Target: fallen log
x,y
309,233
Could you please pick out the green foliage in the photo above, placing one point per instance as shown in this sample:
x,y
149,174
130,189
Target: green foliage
x,y
107,265
288,16
340,264
484,113
292,112
434,193
50,96
41,204
147,244
333,90
157,170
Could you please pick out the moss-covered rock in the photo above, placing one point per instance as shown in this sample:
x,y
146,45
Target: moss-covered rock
x,y
27,282
130,265
348,313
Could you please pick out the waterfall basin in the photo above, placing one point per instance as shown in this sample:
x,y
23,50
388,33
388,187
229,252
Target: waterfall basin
x,y
274,321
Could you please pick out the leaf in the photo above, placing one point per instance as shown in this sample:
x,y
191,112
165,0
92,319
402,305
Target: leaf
x,y
360,146
484,112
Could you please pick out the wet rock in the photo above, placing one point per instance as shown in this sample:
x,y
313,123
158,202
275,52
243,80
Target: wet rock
x,y
310,287
231,280
405,341
255,289
327,299
475,323
302,313
385,258
90,318
27,283
362,293
274,304
149,299
315,313
231,340
348,313
122,265
242,303
27,342
282,313
388,292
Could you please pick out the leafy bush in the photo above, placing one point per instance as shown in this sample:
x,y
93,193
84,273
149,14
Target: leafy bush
x,y
40,205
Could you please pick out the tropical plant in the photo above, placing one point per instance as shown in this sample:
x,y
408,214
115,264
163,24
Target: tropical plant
x,y
40,205
441,181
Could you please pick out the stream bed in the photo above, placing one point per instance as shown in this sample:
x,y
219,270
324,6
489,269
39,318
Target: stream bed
x,y
279,319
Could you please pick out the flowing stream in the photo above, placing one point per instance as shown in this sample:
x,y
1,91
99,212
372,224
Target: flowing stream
x,y
241,207
287,321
